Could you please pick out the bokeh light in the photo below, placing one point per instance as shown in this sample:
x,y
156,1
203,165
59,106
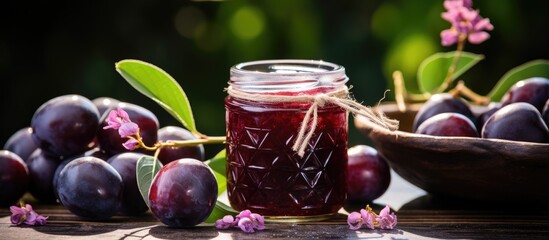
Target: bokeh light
x,y
72,48
247,23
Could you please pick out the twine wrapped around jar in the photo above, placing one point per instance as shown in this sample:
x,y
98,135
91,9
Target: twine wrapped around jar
x,y
340,97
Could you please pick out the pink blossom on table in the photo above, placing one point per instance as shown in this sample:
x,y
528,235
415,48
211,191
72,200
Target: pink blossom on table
x,y
367,217
26,215
226,222
246,225
466,23
258,222
355,220
386,219
245,220
116,118
18,215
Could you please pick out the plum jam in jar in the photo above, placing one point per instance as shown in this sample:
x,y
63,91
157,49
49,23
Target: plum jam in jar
x,y
266,106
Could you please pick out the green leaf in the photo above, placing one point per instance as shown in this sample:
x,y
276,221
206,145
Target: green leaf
x,y
534,68
433,70
159,86
220,210
218,165
147,167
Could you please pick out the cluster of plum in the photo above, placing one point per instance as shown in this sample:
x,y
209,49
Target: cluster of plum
x,y
66,155
521,115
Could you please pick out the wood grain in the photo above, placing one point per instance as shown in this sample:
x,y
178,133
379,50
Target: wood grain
x,y
427,217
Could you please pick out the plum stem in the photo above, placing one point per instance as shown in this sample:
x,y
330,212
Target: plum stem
x,y
181,143
461,89
449,78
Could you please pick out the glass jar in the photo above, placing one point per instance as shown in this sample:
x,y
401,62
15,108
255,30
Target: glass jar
x,y
264,173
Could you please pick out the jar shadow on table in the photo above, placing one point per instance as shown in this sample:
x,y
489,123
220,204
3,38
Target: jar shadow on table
x,y
62,222
276,231
196,232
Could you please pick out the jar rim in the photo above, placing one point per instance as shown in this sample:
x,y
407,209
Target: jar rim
x,y
286,74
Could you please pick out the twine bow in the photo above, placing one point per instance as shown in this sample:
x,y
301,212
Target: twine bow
x,y
338,97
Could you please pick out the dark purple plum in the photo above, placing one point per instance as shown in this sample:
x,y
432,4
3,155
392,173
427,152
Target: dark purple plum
x,y
90,188
483,117
449,125
14,178
517,122
56,175
368,174
125,164
104,103
21,143
42,170
441,103
111,142
532,90
95,152
65,125
169,154
183,193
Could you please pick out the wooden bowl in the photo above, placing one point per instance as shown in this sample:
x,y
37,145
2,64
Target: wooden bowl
x,y
491,170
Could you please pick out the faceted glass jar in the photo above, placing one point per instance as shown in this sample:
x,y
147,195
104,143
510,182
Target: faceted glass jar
x,y
264,174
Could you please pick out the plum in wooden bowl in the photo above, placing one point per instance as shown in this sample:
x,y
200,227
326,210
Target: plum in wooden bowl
x,y
483,169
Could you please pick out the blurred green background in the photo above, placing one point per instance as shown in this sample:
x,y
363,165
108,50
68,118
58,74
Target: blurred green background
x,y
52,48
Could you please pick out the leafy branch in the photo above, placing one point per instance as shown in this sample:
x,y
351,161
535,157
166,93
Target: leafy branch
x,y
438,73
159,86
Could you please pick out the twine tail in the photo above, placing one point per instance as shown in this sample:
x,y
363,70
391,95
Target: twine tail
x,y
303,139
376,117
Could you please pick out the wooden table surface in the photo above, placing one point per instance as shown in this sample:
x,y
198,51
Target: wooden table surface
x,y
420,216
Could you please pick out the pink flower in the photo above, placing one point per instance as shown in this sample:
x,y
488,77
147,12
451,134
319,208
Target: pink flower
x,y
18,215
245,220
258,220
386,219
119,119
246,225
356,220
449,37
27,215
368,218
130,144
128,129
466,22
116,118
226,222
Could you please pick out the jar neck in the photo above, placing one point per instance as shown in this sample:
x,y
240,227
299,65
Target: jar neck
x,y
287,77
